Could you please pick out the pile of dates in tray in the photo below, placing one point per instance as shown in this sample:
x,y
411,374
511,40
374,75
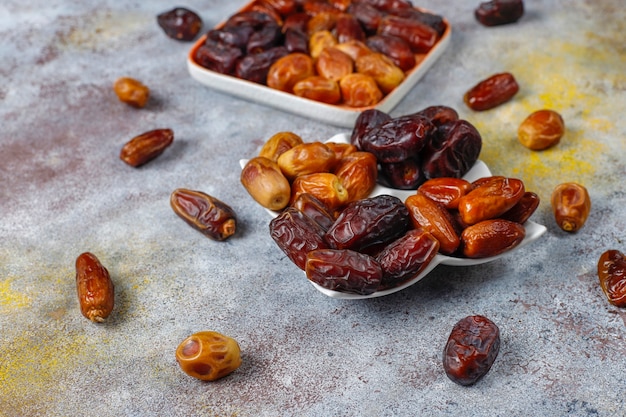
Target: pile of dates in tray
x,y
333,51
379,242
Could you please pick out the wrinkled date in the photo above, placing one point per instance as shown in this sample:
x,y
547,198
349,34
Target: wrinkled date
x,y
397,139
96,292
266,183
344,270
367,222
210,216
146,147
491,92
571,205
612,276
296,235
471,350
499,12
541,130
406,257
180,23
454,152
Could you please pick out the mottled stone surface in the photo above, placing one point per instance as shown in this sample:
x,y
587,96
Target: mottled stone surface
x,y
63,191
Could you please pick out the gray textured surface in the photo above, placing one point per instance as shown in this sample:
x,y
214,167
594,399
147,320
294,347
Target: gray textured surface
x,y
63,191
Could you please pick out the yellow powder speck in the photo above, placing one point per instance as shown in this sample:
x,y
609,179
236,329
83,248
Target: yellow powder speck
x,y
10,298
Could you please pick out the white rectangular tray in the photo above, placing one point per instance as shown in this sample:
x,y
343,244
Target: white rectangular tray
x,y
338,115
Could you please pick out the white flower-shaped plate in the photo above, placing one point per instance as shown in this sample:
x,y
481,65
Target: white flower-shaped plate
x,y
479,170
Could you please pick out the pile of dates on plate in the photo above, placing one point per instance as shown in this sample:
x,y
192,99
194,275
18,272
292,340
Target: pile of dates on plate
x,y
347,52
379,242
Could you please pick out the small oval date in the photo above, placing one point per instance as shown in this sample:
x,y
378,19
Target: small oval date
x,y
499,12
344,270
210,216
471,350
491,92
571,206
612,276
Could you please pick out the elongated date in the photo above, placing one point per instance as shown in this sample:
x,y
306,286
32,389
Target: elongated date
x,y
96,292
344,270
471,350
210,216
612,276
296,235
491,237
147,146
406,257
371,221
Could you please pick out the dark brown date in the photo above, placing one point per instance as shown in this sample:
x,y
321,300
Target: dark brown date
x,y
296,235
499,12
612,276
210,216
454,152
471,350
297,22
217,56
368,222
344,270
348,28
366,121
403,175
491,92
523,209
406,257
296,41
180,23
251,18
255,67
368,16
268,36
439,115
419,36
236,36
315,209
398,139
388,5
398,50
434,21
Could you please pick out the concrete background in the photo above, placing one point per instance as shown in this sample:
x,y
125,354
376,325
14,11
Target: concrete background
x,y
64,191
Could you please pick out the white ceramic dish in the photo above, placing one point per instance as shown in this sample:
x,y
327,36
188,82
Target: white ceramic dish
x,y
479,170
338,115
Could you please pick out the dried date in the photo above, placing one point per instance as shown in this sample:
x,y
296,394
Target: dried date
x,y
367,222
359,90
398,139
255,67
325,186
315,209
612,276
265,183
406,257
471,349
207,214
288,70
491,92
366,121
358,172
420,37
403,175
96,292
524,208
499,12
382,69
318,88
296,235
453,152
491,199
344,270
131,91
180,23
435,219
491,237
398,50
147,146
570,205
541,130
